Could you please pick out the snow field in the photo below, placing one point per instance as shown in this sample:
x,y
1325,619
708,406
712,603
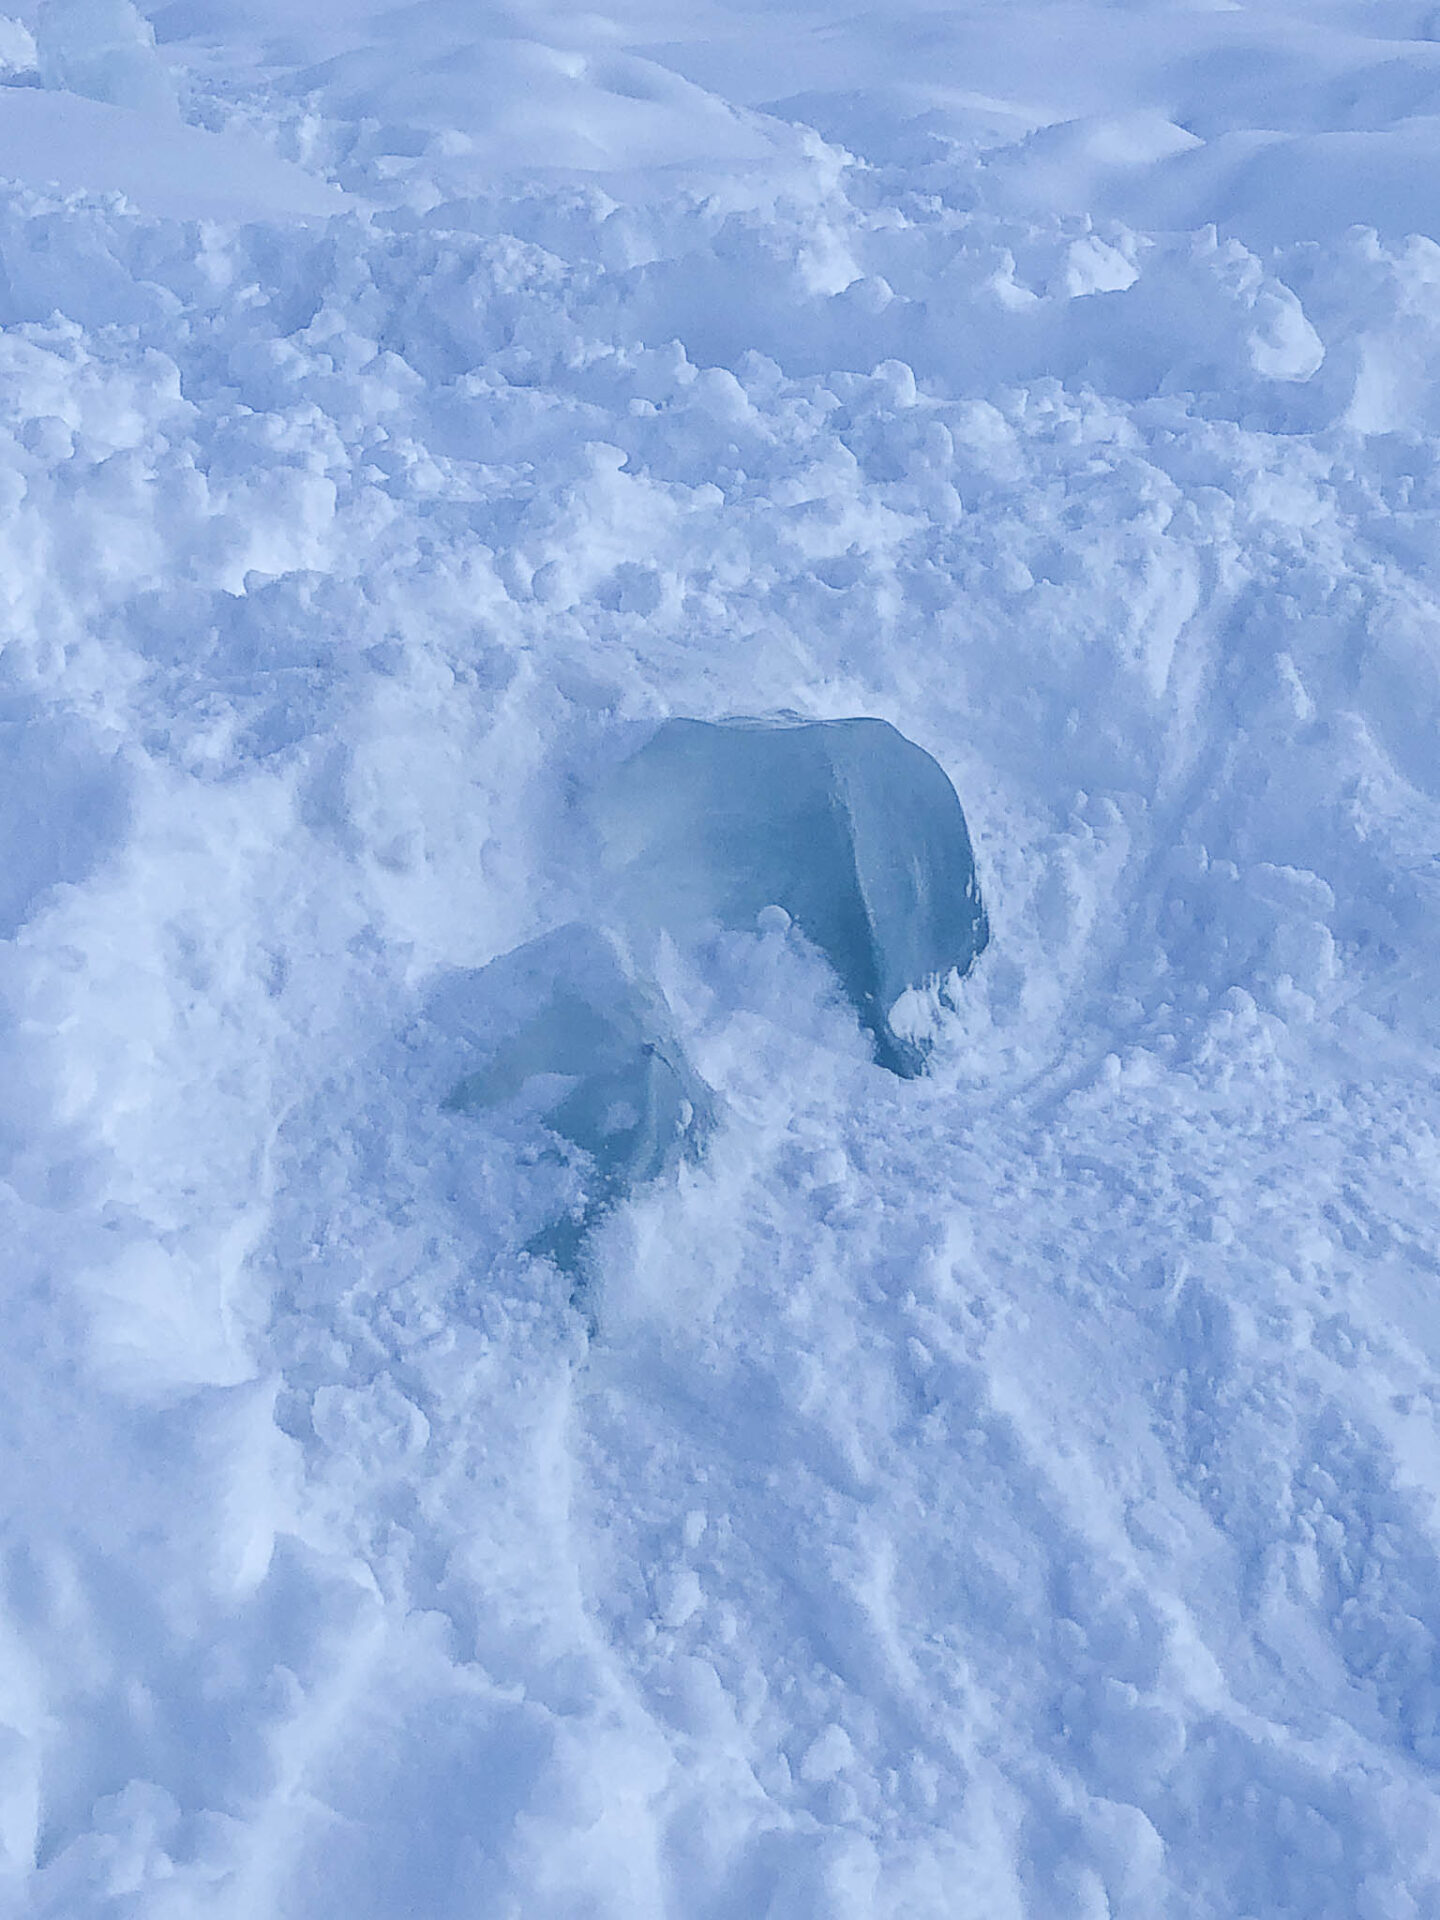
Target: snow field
x,y
1006,1493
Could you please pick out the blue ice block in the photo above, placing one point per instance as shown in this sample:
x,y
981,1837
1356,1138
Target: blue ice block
x,y
851,828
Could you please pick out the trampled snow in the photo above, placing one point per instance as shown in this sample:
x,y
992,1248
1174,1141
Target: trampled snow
x,y
1004,1492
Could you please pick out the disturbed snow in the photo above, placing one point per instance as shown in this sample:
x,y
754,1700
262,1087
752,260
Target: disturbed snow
x,y
1006,1492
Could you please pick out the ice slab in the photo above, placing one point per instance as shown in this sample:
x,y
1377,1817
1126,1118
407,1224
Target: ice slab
x,y
568,1033
848,826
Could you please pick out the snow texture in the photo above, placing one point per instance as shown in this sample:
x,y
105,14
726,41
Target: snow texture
x,y
1007,1493
854,833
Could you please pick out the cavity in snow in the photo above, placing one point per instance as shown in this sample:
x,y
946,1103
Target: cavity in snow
x,y
566,1032
851,828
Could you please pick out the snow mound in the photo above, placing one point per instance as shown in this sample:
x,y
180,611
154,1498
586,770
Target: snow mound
x,y
845,824
572,1037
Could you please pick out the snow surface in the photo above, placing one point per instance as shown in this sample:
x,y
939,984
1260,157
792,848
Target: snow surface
x,y
1009,1492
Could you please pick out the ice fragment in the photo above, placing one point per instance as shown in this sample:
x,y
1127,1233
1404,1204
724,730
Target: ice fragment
x,y
565,1028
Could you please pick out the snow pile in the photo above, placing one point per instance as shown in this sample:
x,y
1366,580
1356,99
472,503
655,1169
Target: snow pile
x,y
1003,1491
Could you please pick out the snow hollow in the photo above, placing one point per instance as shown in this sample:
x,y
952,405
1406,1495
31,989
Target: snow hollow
x,y
510,1407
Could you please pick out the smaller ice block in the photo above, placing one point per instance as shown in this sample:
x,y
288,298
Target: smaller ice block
x,y
570,1033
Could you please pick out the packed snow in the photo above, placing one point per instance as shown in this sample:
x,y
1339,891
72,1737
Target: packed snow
x,y
572,1436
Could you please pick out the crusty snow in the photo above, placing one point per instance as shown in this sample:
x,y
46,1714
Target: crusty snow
x,y
1004,1495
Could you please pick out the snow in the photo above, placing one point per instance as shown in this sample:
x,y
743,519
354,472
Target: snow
x,y
60,141
1007,1491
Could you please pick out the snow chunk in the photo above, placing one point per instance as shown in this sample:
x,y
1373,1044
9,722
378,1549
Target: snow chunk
x,y
56,139
848,826
17,50
1093,266
573,1038
1283,344
105,50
